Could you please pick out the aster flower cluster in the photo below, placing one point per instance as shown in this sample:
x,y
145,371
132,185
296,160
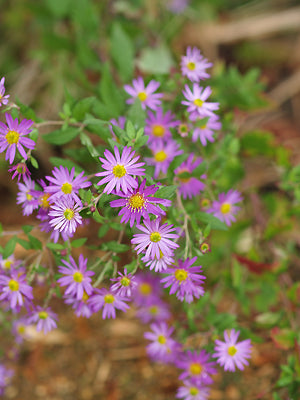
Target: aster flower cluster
x,y
161,248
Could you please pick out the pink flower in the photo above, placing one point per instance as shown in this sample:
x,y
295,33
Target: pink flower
x,y
189,186
65,213
3,99
196,100
145,94
12,137
193,65
109,301
158,125
231,354
119,170
225,208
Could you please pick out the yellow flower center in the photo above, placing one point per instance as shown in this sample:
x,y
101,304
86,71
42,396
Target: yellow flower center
x,y
194,391
119,171
205,203
7,264
109,299
142,96
12,137
125,281
225,208
44,200
161,339
231,350
155,237
85,297
158,130
69,214
29,196
21,168
195,368
153,310
204,247
78,277
191,66
21,329
181,275
198,102
136,201
66,188
43,315
183,128
145,289
13,285
160,156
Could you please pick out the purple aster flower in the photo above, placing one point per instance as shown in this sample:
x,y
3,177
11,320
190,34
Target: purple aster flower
x,y
6,264
146,94
81,307
44,318
205,130
19,329
139,203
156,311
64,184
196,100
119,170
65,213
158,264
191,391
77,277
148,289
109,301
185,280
20,170
15,289
193,65
197,367
189,186
158,125
3,99
12,137
224,207
155,239
26,196
55,234
177,6
230,354
5,377
162,347
125,284
163,155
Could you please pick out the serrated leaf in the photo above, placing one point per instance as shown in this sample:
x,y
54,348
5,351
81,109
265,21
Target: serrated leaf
x,y
82,107
166,192
61,136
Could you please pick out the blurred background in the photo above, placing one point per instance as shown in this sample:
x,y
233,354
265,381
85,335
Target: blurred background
x,y
50,49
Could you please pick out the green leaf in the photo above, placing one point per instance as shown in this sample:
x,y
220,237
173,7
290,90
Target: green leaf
x,y
82,107
27,228
210,219
55,246
24,243
35,242
103,230
86,141
98,218
166,192
110,94
61,136
115,246
136,114
156,60
9,247
34,162
78,242
122,51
